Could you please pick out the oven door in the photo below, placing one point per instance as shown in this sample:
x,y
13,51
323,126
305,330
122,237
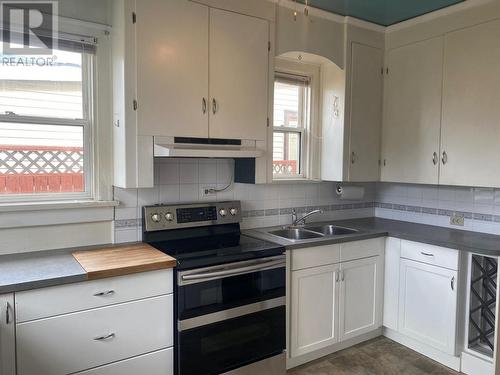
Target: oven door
x,y
230,316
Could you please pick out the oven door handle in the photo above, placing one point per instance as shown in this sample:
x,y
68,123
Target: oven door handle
x,y
234,272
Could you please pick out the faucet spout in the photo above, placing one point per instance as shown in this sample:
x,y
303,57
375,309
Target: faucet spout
x,y
296,221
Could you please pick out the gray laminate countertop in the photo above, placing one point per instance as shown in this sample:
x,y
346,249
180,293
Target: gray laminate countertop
x,y
38,269
475,242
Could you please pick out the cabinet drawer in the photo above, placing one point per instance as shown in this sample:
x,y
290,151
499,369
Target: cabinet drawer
x,y
63,299
429,254
157,363
361,249
315,256
69,343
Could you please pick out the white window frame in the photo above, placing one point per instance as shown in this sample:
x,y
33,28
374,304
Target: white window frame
x,y
97,155
308,169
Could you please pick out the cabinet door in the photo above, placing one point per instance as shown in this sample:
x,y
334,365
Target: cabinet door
x,y
471,130
391,282
412,113
239,64
314,309
366,113
7,335
428,304
172,68
360,297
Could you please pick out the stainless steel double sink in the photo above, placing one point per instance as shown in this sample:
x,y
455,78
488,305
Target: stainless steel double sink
x,y
311,232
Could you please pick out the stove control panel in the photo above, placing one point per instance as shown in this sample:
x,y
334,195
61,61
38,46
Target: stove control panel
x,y
164,217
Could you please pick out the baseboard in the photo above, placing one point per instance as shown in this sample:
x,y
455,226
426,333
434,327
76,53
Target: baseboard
x,y
445,359
472,365
305,358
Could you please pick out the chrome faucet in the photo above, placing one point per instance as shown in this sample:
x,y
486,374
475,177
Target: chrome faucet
x,y
296,221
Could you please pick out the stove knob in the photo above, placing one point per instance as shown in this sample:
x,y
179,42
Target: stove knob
x,y
233,211
169,216
222,212
156,218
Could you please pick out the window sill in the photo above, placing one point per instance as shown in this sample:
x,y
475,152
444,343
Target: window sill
x,y
54,205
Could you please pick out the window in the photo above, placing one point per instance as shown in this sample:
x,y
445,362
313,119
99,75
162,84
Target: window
x,y
292,106
46,123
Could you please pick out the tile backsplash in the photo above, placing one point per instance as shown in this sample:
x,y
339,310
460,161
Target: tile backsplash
x,y
429,204
184,180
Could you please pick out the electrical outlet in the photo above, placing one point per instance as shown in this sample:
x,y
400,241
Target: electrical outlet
x,y
457,219
206,191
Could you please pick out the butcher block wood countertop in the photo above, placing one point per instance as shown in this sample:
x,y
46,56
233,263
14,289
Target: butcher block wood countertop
x,y
122,260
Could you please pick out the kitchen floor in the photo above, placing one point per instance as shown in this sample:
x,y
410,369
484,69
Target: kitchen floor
x,y
379,356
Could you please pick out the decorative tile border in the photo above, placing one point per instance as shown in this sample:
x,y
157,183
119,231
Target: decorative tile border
x,y
439,212
134,223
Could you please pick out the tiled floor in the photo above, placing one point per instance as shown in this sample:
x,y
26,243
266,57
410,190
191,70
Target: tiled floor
x,y
379,356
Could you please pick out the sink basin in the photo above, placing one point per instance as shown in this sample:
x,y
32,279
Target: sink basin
x,y
331,230
295,234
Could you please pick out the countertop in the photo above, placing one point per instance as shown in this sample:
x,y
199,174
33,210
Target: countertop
x,y
479,243
47,268
40,269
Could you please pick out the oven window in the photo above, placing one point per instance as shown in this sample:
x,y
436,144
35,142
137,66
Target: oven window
x,y
233,343
226,293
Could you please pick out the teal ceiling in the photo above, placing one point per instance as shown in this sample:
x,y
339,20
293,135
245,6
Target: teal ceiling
x,y
382,12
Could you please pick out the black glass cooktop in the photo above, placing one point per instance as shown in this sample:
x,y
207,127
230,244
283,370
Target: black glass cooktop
x,y
206,247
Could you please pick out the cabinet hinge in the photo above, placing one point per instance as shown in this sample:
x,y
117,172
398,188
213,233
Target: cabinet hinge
x,y
134,17
269,46
135,105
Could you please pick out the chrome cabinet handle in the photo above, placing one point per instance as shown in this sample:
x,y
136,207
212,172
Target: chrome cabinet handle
x,y
215,107
343,276
104,338
435,158
453,283
444,159
105,293
204,105
8,315
336,277
353,157
427,254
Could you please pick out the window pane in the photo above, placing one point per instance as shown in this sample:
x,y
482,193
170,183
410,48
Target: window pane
x,y
287,101
286,154
41,159
38,86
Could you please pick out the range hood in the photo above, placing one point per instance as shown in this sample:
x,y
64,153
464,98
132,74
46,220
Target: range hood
x,y
182,147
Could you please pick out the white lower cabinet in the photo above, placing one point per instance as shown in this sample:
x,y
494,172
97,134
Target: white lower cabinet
x,y
314,309
333,303
121,325
7,335
160,362
428,304
361,289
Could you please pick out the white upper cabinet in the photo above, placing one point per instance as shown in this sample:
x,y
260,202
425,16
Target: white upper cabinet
x,y
172,68
239,76
471,110
412,113
366,113
7,335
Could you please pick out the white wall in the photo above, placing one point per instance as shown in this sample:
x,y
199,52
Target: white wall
x,y
98,11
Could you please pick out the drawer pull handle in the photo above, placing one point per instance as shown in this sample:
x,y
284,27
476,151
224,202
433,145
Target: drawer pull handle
x,y
427,254
106,337
105,294
453,283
